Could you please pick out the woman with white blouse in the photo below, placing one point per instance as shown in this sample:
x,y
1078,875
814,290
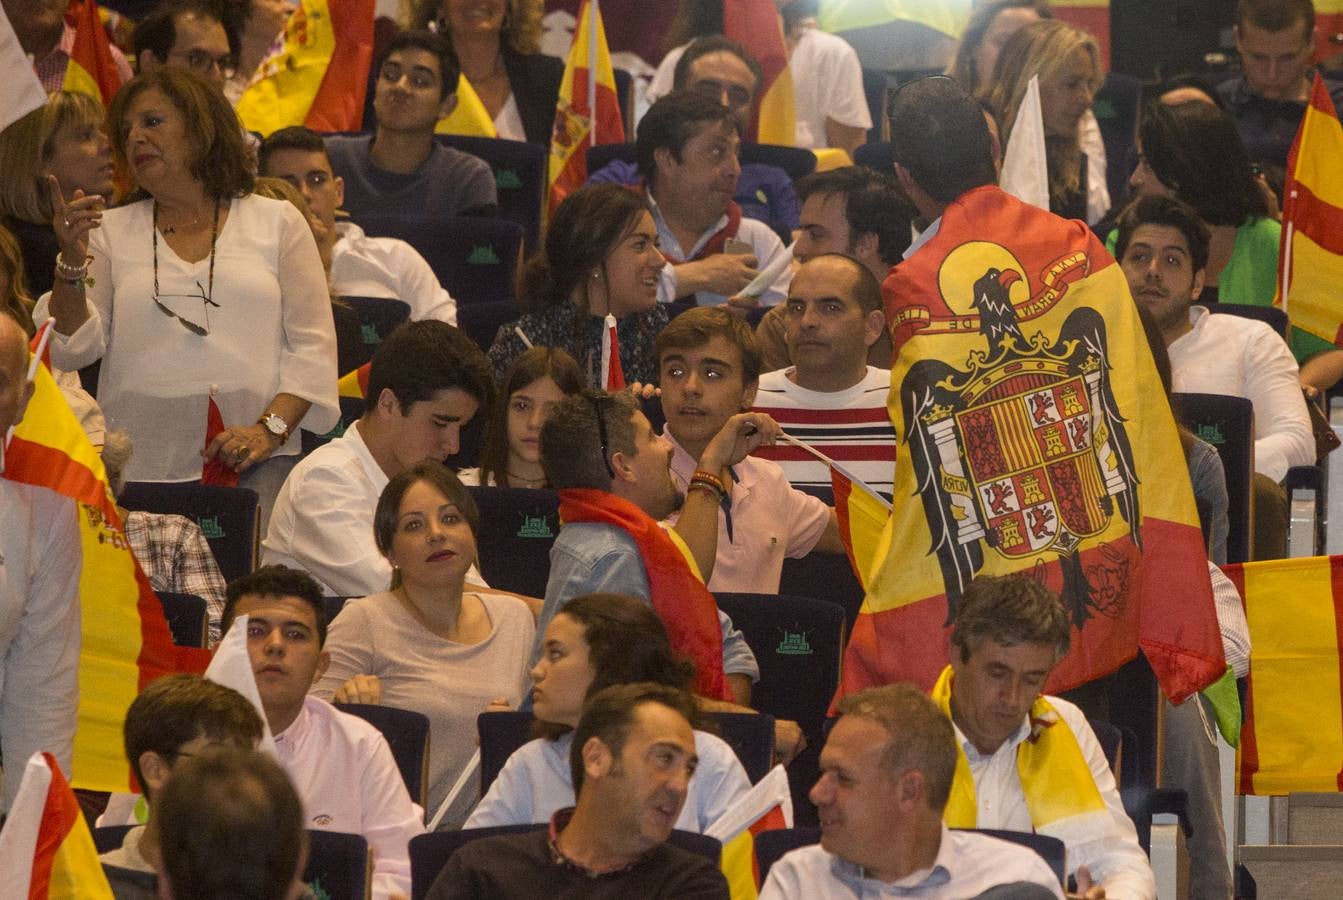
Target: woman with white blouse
x,y
426,645
194,286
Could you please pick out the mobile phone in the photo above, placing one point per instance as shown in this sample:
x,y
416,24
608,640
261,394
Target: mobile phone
x,y
732,245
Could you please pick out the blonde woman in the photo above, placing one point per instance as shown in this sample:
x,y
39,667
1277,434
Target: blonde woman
x,y
65,138
1068,63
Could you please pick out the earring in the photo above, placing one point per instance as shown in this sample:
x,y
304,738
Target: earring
x,y
596,273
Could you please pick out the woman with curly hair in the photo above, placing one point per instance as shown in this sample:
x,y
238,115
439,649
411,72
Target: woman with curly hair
x,y
497,44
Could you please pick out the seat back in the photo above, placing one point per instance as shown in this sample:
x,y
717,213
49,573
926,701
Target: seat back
x,y
1050,849
339,866
770,846
333,607
429,853
798,643
1116,107
877,156
875,88
600,155
824,576
228,516
520,176
751,737
188,618
482,321
1228,424
377,317
517,528
109,837
407,735
501,733
1270,315
797,162
476,259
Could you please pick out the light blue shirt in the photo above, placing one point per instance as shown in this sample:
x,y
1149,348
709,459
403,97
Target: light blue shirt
x,y
593,557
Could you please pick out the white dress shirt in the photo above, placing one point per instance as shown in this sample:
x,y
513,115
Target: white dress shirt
x,y
39,627
967,864
1114,859
1239,357
765,246
363,266
348,781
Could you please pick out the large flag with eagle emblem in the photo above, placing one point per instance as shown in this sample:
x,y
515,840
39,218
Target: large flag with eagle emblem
x,y
1035,437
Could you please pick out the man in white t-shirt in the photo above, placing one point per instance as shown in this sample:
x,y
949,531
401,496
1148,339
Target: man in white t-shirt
x,y
340,765
361,266
830,397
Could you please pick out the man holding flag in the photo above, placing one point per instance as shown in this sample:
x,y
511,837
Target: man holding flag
x,y
1033,430
55,40
39,595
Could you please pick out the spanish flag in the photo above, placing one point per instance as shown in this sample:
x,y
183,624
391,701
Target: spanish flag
x,y
1036,439
126,643
46,850
862,514
469,116
355,384
588,111
755,25
1310,261
1292,739
90,69
768,806
319,76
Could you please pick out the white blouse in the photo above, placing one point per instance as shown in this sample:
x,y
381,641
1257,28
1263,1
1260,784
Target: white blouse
x,y
271,332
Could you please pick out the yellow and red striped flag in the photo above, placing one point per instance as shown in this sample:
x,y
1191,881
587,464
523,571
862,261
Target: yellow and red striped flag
x,y
862,515
126,643
319,76
91,69
46,849
1310,261
1036,438
355,384
469,117
1292,739
755,25
768,806
588,111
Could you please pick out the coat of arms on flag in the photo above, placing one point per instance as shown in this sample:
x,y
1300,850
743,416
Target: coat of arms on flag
x,y
1021,450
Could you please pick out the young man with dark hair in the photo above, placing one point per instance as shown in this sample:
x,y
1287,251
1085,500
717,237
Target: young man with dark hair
x,y
1162,247
426,382
1276,42
339,763
709,369
187,34
722,70
401,166
361,266
854,211
687,148
831,397
1017,742
632,758
886,776
231,825
175,718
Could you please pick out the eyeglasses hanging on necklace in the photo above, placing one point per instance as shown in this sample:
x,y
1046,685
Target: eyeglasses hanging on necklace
x,y
205,295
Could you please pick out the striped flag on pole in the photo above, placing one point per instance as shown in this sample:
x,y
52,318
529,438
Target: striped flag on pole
x,y
588,112
613,376
91,69
768,806
755,25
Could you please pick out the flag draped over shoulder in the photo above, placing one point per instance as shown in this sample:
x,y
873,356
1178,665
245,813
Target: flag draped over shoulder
x,y
1310,261
1292,739
588,111
1036,438
319,76
91,69
46,849
755,25
126,643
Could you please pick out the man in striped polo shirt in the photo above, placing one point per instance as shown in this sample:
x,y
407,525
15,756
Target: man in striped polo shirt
x,y
830,397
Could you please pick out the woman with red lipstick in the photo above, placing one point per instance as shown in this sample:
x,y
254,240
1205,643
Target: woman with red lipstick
x,y
65,138
601,259
427,645
1068,63
510,452
195,288
597,641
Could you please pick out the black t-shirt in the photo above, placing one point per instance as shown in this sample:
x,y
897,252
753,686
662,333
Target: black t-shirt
x,y
520,866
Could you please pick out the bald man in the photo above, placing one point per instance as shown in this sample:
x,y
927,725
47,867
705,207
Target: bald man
x,y
39,599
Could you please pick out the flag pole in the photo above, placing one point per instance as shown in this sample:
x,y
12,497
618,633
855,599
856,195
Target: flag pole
x,y
854,479
594,11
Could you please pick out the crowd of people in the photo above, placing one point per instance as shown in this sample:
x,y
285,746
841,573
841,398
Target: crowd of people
x,y
745,310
